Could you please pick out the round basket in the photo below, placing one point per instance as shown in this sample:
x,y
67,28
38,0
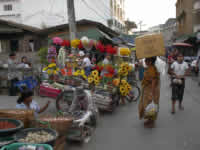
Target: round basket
x,y
8,132
23,134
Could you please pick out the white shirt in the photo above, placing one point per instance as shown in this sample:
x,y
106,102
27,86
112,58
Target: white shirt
x,y
106,61
179,69
86,62
34,106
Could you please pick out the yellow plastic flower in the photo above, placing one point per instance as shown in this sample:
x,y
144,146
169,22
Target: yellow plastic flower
x,y
45,69
52,65
95,73
96,83
76,74
123,82
57,69
54,72
84,76
49,71
75,43
90,80
122,89
82,72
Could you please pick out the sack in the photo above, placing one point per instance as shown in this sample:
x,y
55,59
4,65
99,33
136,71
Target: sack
x,y
60,124
23,115
151,111
177,81
149,46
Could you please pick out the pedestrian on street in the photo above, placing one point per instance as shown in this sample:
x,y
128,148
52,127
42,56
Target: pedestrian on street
x,y
25,101
179,70
87,64
13,75
150,90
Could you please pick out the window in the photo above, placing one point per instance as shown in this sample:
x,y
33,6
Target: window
x,y
8,7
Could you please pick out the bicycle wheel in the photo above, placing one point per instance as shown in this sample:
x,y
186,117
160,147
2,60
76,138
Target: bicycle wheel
x,y
62,102
134,94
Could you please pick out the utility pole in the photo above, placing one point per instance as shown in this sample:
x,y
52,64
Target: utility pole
x,y
141,25
71,19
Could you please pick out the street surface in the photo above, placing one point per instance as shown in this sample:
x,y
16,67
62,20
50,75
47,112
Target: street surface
x,y
122,130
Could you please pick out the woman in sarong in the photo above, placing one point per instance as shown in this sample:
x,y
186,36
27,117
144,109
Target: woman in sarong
x,y
150,90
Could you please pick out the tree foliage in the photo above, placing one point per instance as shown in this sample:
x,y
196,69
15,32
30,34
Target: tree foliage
x,y
43,52
130,25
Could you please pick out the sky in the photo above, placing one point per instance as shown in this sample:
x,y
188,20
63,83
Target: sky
x,y
151,12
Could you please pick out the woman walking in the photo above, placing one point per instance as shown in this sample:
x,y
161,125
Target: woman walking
x,y
150,90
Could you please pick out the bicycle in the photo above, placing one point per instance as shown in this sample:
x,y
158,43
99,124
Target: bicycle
x,y
134,93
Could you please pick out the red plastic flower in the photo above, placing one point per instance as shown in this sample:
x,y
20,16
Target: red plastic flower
x,y
80,46
110,69
100,47
66,43
111,50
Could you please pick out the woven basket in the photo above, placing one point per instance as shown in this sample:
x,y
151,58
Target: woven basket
x,y
60,124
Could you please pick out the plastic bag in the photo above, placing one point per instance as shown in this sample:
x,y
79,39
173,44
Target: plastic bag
x,y
151,110
161,66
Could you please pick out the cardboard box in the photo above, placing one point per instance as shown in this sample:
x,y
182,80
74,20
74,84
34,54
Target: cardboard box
x,y
149,46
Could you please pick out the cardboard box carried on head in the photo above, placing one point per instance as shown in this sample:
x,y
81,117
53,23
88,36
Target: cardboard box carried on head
x,y
149,46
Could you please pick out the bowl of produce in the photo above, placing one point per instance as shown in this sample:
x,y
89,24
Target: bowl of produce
x,y
21,146
9,126
37,136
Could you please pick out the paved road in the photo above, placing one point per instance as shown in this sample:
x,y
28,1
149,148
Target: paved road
x,y
123,131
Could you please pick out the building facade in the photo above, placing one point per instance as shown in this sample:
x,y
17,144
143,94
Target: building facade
x,y
156,29
169,31
187,16
196,11
47,13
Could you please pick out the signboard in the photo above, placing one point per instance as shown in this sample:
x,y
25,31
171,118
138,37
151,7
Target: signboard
x,y
149,46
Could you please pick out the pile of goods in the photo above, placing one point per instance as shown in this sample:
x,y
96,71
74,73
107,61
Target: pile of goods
x,y
23,115
21,146
6,125
37,137
104,101
30,147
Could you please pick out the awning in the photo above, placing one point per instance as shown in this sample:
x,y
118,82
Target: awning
x,y
182,44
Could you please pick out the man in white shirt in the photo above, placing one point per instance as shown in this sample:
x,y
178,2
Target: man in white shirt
x,y
87,65
106,60
179,70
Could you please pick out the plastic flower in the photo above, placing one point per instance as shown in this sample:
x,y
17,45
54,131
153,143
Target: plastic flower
x,y
84,76
49,71
45,69
82,72
116,82
123,82
95,73
125,52
122,89
54,72
52,65
90,80
96,82
76,74
75,43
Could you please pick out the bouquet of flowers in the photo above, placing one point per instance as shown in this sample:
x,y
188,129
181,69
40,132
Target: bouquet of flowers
x,y
80,73
124,69
94,78
51,69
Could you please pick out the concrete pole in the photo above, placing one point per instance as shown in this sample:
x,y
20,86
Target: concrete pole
x,y
71,19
